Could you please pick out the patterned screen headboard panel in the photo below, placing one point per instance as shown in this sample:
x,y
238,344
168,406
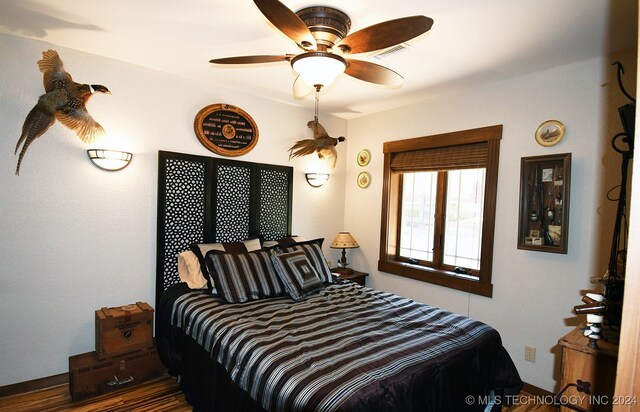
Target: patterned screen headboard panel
x,y
207,199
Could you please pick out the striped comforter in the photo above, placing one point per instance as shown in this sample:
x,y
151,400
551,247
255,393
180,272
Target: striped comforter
x,y
330,351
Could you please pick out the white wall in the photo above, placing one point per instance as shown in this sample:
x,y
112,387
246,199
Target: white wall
x,y
76,238
534,292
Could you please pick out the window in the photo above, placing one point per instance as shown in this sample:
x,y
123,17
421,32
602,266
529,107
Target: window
x,y
461,228
438,208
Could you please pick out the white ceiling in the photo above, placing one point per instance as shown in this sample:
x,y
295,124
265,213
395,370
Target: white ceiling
x,y
471,42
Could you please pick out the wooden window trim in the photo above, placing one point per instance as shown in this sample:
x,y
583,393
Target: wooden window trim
x,y
390,231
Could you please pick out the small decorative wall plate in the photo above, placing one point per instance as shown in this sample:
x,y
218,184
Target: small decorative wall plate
x,y
550,133
364,157
363,179
226,130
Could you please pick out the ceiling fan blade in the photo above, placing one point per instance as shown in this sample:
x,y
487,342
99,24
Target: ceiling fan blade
x,y
385,34
373,73
301,89
252,59
287,22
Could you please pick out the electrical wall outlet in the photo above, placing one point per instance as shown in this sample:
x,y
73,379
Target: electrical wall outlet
x,y
530,353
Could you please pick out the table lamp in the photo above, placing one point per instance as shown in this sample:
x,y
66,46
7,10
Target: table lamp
x,y
343,241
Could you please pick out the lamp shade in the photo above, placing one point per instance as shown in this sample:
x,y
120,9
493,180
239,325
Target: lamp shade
x,y
318,68
344,240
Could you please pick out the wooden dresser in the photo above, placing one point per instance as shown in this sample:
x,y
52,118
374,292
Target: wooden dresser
x,y
597,366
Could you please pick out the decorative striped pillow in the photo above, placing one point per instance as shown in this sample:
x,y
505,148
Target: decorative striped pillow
x,y
313,250
297,273
201,250
240,277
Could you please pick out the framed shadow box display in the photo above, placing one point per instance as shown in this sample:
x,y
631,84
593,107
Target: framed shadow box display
x,y
543,224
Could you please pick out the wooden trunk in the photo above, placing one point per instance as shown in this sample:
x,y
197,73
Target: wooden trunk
x,y
596,366
91,376
123,329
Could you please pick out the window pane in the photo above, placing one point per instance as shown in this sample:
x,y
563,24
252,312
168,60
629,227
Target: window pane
x,y
463,226
418,215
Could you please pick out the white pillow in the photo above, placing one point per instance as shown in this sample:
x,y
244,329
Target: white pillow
x,y
250,244
290,239
189,270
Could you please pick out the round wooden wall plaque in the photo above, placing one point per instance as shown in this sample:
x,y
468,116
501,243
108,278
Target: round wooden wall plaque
x,y
226,130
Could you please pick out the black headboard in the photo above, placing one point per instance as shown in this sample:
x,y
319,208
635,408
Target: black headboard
x,y
208,199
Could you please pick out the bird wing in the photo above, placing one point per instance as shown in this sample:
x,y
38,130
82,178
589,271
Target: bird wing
x,y
303,148
36,123
54,74
319,131
329,153
80,121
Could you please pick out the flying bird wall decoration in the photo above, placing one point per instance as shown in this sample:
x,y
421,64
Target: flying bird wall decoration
x,y
322,143
64,100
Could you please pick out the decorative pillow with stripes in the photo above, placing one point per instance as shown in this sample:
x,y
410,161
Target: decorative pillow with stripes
x,y
240,277
201,249
297,273
313,250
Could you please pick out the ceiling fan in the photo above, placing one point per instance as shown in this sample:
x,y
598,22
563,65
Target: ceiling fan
x,y
322,33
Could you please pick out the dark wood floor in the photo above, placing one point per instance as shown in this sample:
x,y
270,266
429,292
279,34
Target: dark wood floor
x,y
158,395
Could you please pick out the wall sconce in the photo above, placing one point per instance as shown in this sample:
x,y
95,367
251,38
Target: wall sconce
x,y
111,160
316,179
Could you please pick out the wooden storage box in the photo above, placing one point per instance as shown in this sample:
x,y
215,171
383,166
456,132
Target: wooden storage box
x,y
596,366
123,329
90,376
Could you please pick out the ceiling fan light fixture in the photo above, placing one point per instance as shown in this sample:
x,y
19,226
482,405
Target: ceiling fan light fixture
x,y
318,68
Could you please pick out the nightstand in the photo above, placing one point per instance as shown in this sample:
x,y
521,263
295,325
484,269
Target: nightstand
x,y
357,277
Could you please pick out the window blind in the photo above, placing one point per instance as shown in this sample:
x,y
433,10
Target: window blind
x,y
467,156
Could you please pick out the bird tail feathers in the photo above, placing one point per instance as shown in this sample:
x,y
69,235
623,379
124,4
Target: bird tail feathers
x,y
300,152
36,123
302,148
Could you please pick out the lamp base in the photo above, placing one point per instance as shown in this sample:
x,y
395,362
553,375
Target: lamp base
x,y
342,271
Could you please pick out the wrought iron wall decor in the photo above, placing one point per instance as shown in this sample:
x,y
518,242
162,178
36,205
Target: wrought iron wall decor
x,y
544,203
613,281
207,199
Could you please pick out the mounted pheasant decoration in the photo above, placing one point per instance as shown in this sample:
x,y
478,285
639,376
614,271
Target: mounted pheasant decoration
x,y
64,100
322,143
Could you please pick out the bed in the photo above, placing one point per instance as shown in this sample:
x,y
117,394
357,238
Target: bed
x,y
293,337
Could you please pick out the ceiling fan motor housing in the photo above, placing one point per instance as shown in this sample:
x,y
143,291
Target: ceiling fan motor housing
x,y
327,25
